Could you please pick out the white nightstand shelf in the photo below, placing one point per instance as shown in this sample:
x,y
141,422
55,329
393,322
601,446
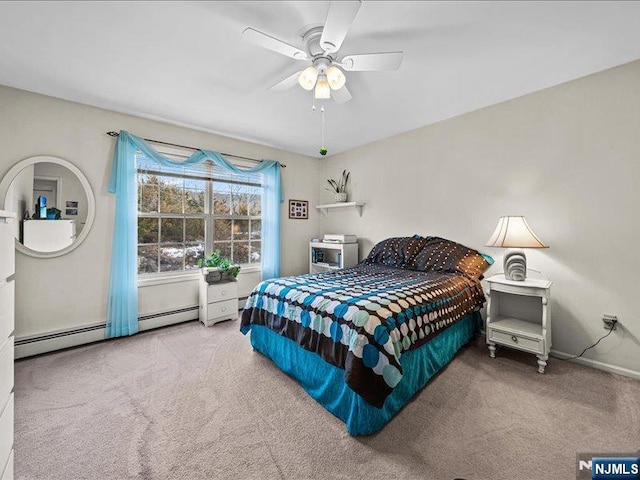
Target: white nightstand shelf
x,y
518,316
334,256
325,208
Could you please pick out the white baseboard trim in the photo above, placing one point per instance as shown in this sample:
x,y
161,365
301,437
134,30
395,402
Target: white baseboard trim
x,y
58,340
35,345
607,367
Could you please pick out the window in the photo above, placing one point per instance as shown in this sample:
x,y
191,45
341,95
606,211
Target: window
x,y
185,212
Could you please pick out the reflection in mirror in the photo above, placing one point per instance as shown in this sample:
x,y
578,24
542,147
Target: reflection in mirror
x,y
54,202
51,201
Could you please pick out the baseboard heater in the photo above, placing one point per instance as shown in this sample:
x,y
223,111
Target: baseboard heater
x,y
36,344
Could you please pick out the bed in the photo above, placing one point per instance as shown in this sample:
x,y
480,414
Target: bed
x,y
362,341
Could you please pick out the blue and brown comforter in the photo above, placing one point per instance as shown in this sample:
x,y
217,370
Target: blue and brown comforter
x,y
362,319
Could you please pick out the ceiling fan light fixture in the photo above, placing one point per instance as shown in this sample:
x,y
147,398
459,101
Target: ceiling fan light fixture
x,y
323,91
335,77
308,77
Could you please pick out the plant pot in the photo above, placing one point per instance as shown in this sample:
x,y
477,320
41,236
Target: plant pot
x,y
340,197
215,275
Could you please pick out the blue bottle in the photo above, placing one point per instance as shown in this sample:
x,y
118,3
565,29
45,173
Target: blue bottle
x,y
41,207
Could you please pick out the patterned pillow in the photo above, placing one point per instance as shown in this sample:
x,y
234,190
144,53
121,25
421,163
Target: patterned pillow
x,y
396,251
442,255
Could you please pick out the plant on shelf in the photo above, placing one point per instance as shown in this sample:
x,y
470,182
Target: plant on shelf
x,y
225,267
339,187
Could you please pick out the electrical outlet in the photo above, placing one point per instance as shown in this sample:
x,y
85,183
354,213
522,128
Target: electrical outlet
x,y
610,321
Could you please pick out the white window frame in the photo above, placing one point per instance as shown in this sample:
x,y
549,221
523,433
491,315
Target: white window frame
x,y
158,278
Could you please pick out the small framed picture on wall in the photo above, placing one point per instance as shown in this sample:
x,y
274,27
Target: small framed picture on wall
x,y
299,209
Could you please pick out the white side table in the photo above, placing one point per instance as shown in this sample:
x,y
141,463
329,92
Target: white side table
x,y
218,301
519,316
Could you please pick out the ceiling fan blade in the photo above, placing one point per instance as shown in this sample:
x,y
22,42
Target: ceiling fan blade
x,y
339,19
287,83
341,96
371,62
266,41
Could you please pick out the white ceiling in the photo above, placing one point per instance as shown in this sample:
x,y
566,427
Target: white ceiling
x,y
187,63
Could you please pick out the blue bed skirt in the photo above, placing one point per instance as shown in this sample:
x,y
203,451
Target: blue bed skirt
x,y
325,382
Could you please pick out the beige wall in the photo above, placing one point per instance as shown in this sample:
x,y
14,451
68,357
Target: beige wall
x,y
32,124
568,158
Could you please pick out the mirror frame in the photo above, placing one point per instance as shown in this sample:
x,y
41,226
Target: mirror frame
x,y
91,203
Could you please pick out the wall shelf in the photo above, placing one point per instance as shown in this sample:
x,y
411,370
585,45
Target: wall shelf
x,y
325,208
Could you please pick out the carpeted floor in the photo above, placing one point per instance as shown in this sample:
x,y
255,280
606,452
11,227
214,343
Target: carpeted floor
x,y
189,402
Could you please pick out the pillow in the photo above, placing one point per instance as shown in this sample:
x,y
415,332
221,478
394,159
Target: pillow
x,y
396,251
446,256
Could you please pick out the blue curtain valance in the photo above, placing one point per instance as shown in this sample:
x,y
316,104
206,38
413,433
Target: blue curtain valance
x,y
122,305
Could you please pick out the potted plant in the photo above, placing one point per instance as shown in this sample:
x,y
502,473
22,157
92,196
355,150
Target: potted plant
x,y
339,187
217,268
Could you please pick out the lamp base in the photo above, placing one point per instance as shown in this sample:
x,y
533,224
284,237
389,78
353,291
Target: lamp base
x,y
515,264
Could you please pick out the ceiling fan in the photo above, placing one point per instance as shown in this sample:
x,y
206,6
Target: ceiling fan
x,y
320,47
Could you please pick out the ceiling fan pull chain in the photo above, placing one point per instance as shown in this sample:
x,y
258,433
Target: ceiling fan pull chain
x,y
323,149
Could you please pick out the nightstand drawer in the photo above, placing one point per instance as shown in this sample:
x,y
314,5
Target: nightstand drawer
x,y
217,292
517,341
226,309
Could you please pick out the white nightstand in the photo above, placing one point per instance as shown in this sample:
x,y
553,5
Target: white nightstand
x,y
519,316
218,301
325,256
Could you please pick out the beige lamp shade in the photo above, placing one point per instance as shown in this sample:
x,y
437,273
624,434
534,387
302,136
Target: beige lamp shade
x,y
514,232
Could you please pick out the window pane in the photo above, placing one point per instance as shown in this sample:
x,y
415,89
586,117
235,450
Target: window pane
x,y
148,259
241,230
195,184
256,229
224,247
256,252
147,198
192,254
255,204
221,230
147,230
240,201
171,257
194,201
172,230
171,199
221,199
194,230
241,252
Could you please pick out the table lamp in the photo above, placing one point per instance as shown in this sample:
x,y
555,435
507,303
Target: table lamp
x,y
514,233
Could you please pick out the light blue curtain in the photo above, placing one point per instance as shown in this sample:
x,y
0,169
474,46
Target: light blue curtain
x,y
122,306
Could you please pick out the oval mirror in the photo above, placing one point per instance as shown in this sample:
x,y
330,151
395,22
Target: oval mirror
x,y
54,203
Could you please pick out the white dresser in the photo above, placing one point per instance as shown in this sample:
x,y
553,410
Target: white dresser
x,y
7,271
48,235
218,301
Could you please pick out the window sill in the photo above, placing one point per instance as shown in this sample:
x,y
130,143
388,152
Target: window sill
x,y
151,279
